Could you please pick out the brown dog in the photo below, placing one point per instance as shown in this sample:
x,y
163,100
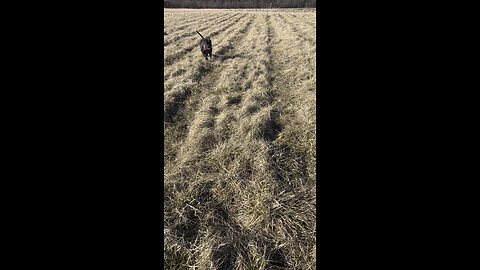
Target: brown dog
x,y
205,46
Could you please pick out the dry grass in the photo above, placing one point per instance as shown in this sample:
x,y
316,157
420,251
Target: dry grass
x,y
240,134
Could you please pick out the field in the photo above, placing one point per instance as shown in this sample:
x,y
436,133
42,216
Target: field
x,y
239,130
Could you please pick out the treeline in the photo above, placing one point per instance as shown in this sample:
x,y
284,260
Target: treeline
x,y
240,4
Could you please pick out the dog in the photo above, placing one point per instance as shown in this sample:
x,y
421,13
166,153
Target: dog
x,y
205,46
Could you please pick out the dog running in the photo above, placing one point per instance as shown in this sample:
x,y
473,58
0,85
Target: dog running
x,y
205,46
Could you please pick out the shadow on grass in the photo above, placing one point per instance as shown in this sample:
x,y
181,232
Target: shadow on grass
x,y
227,56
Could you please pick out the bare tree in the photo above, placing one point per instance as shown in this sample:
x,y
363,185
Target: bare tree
x,y
239,3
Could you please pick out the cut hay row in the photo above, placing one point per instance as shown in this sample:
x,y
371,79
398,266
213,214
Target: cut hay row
x,y
308,18
297,84
189,42
225,76
221,39
173,53
225,244
179,52
175,22
183,67
187,13
299,64
195,22
192,78
303,25
296,32
194,74
189,30
173,19
179,23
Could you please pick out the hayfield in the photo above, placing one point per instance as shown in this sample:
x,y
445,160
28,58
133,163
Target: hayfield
x,y
239,140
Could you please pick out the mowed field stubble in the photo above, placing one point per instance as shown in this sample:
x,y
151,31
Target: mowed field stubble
x,y
239,138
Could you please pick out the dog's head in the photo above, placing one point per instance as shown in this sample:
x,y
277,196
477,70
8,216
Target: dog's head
x,y
208,42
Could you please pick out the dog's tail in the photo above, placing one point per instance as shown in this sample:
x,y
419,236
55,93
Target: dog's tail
x,y
199,34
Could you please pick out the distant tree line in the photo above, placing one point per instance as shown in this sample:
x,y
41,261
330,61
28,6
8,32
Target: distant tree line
x,y
240,4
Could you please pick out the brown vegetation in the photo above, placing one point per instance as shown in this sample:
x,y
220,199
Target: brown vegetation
x,y
239,136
